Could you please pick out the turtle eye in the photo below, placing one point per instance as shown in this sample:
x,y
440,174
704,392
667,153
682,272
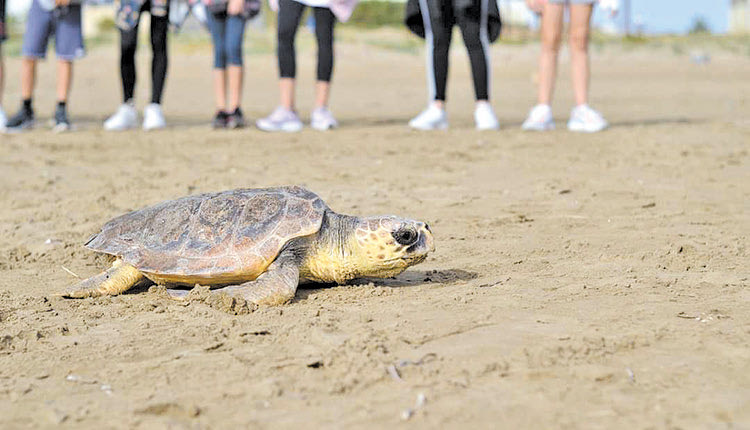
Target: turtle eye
x,y
405,236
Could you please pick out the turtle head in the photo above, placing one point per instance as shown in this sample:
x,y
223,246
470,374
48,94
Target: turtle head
x,y
385,246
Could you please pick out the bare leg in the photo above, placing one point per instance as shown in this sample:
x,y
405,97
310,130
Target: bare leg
x,y
115,280
286,88
552,24
220,88
28,77
64,79
234,73
276,286
322,91
580,19
2,72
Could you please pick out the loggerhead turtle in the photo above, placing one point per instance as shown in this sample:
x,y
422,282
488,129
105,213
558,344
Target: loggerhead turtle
x,y
254,243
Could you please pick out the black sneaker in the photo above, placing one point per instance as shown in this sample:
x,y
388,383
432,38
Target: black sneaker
x,y
235,119
23,120
61,120
220,120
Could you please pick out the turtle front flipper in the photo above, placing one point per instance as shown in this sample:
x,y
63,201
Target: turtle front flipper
x,y
115,280
276,286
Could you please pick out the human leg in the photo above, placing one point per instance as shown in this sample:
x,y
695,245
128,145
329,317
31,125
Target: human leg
x,y
3,118
552,25
284,117
39,27
478,55
128,46
2,66
540,116
24,118
217,27
438,35
580,22
321,117
68,47
582,118
126,116
233,45
159,63
473,25
64,83
290,13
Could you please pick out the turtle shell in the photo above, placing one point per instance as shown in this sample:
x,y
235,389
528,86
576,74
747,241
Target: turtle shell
x,y
218,238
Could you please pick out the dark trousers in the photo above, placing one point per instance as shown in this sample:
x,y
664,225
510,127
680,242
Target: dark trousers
x,y
290,13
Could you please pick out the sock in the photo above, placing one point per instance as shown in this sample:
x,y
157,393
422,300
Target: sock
x,y
61,105
27,105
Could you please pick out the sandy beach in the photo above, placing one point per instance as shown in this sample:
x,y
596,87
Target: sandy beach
x,y
580,281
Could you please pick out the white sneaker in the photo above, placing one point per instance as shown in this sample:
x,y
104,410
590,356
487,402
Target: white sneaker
x,y
153,117
126,117
432,118
3,119
281,119
485,118
539,119
322,119
587,120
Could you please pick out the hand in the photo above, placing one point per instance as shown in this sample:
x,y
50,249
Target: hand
x,y
235,7
536,6
62,3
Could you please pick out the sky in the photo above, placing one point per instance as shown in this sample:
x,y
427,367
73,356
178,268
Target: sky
x,y
657,16
676,16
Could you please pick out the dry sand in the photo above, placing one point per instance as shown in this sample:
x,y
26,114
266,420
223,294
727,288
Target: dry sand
x,y
580,281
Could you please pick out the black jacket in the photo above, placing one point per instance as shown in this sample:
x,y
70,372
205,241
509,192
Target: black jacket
x,y
414,22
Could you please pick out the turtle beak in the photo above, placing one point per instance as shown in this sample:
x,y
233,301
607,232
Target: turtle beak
x,y
429,241
426,240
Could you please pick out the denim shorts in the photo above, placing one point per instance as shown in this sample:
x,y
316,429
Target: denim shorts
x,y
64,23
227,33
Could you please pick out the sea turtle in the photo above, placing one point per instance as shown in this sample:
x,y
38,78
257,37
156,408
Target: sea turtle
x,y
254,243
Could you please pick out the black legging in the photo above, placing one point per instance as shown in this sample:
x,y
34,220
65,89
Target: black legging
x,y
128,45
290,13
442,30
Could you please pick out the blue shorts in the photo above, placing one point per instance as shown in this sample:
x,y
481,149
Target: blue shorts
x,y
64,22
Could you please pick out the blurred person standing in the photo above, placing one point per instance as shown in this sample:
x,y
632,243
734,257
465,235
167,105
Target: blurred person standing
x,y
226,22
62,19
325,12
433,20
582,118
127,20
3,36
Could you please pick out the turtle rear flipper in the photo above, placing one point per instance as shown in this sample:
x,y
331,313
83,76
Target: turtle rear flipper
x,y
115,280
276,286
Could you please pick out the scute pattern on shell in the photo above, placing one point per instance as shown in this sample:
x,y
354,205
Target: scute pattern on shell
x,y
237,232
